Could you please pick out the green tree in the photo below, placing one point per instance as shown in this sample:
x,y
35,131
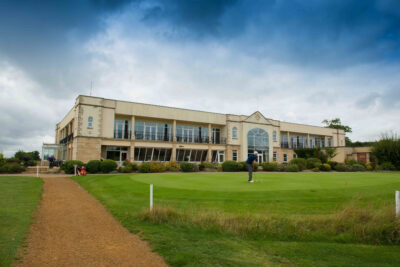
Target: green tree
x,y
337,124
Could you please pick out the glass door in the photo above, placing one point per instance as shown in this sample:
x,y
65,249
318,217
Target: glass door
x,y
260,158
221,156
123,157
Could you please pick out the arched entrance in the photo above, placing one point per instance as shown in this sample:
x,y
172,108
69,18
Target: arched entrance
x,y
258,140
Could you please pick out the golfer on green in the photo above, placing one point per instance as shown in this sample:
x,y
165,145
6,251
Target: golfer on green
x,y
249,164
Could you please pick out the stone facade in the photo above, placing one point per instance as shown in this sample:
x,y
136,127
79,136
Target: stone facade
x,y
90,131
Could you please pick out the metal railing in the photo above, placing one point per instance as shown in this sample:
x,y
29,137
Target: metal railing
x,y
197,139
67,139
221,140
122,135
153,137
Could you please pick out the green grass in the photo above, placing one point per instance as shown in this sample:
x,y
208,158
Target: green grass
x,y
19,197
218,219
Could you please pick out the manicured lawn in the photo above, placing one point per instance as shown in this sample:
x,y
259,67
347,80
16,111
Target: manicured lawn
x,y
19,196
218,219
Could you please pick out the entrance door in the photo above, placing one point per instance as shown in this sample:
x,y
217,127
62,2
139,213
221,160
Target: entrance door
x,y
260,158
221,156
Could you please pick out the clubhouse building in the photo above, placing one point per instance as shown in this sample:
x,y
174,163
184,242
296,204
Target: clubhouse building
x,y
99,128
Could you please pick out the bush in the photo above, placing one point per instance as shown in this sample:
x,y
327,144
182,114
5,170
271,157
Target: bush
x,y
172,166
293,168
243,165
340,167
255,166
351,162
196,167
269,166
387,166
11,168
283,167
108,165
387,150
315,169
125,169
187,167
231,166
132,165
144,167
313,163
12,160
157,167
300,162
369,167
357,168
332,164
68,166
325,167
93,166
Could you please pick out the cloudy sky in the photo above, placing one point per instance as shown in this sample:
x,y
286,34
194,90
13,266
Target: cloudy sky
x,y
296,61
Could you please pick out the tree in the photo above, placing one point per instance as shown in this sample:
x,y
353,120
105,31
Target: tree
x,y
337,124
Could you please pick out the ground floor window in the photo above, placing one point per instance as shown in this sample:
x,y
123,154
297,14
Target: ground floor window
x,y
284,157
234,155
218,156
263,155
117,153
294,156
274,156
192,155
152,154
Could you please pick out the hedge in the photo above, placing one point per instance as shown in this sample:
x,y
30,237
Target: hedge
x,y
269,166
93,166
108,165
231,166
68,166
300,162
313,163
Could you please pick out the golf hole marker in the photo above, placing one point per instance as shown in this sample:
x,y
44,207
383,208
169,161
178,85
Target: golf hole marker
x,y
151,197
397,203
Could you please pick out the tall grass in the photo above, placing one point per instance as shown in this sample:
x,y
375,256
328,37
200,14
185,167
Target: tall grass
x,y
350,224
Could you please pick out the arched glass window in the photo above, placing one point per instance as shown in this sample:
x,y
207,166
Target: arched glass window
x,y
90,122
234,132
257,139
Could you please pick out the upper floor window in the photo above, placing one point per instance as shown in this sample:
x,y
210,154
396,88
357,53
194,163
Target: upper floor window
x,y
122,129
234,132
145,130
191,134
274,136
90,122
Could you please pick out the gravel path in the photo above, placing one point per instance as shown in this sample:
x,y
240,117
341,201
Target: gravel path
x,y
74,229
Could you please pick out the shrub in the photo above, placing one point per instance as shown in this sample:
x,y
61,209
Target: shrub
x,y
187,167
172,166
357,168
93,166
315,169
231,166
132,165
325,167
293,168
255,166
144,167
244,166
313,163
369,167
125,169
219,167
300,162
332,164
108,165
387,150
12,160
11,168
340,167
387,166
157,167
283,167
351,161
68,166
195,167
269,166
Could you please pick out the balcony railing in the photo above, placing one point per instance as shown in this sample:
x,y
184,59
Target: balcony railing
x,y
196,139
221,140
67,139
153,137
122,135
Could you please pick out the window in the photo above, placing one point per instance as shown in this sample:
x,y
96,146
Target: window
x,y
90,122
284,141
234,155
234,133
153,131
150,154
216,135
116,153
284,157
274,156
329,141
191,155
274,136
218,156
191,134
122,129
295,156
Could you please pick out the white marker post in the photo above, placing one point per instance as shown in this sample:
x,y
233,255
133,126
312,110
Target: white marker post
x,y
75,166
398,204
151,197
37,170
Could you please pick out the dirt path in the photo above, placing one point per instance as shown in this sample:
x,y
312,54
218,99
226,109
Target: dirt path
x,y
74,229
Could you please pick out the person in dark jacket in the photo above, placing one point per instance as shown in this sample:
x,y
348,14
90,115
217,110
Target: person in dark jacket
x,y
249,163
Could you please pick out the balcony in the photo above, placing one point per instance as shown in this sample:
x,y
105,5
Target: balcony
x,y
196,139
67,139
219,141
122,135
284,145
153,137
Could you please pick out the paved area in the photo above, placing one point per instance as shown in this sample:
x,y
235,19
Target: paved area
x,y
73,229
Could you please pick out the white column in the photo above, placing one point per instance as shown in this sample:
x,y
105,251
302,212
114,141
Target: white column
x,y
397,203
151,197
